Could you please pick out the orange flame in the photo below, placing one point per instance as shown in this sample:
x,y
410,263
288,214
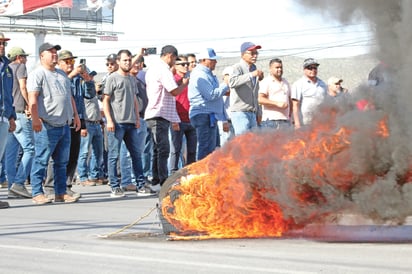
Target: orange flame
x,y
231,194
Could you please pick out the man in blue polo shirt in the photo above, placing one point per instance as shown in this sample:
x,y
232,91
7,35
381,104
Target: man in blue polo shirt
x,y
206,102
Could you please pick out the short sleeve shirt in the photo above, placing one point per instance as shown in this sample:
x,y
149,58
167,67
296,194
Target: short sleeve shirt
x,y
278,91
159,83
19,72
122,91
310,95
54,100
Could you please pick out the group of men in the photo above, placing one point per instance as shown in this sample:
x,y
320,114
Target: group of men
x,y
179,96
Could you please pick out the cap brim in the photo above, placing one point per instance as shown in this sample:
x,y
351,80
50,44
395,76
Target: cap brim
x,y
255,47
313,64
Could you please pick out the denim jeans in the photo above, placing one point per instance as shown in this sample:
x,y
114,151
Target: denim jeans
x,y
3,171
276,124
161,148
189,132
19,151
128,177
206,135
88,165
4,129
128,134
50,142
243,121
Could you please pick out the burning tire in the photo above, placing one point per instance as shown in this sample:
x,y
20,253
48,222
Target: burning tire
x,y
166,191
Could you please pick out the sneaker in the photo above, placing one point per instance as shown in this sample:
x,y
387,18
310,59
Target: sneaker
x,y
11,195
65,198
145,191
4,184
70,192
129,187
155,187
117,192
40,199
20,190
88,183
4,204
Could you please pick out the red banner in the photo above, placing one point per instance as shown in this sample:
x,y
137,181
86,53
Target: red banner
x,y
20,7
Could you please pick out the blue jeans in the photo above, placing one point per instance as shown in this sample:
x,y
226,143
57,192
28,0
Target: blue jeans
x,y
188,131
94,140
21,140
276,124
54,142
128,134
243,121
206,135
161,148
3,171
4,129
128,177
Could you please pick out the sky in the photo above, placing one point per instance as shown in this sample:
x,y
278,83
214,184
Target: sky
x,y
282,28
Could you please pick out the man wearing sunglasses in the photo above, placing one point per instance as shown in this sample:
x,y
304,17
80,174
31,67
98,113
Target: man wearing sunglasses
x,y
307,93
244,86
82,86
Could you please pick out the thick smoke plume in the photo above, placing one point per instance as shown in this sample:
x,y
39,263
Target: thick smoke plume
x,y
349,160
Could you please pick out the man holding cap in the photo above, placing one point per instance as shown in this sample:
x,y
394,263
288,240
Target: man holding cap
x,y
307,93
7,113
244,86
52,110
24,136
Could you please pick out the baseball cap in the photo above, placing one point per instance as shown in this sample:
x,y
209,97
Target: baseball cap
x,y
208,53
112,57
310,61
91,72
248,46
169,49
16,51
334,80
3,38
66,54
48,46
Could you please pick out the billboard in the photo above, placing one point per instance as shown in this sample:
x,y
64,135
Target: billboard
x,y
98,11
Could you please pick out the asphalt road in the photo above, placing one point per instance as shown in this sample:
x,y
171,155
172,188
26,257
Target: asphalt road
x,y
90,237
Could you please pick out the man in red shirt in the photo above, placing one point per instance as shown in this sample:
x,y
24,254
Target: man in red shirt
x,y
186,130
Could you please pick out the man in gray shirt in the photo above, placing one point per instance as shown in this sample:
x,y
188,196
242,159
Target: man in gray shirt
x,y
122,115
52,109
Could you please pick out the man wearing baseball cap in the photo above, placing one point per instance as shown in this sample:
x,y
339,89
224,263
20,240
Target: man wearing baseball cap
x,y
53,110
307,93
24,136
335,88
7,113
244,86
206,102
